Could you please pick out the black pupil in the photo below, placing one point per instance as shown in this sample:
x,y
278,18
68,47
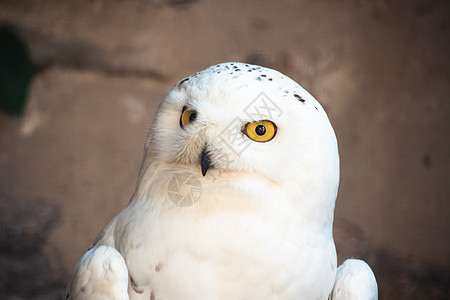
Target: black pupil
x,y
260,130
192,117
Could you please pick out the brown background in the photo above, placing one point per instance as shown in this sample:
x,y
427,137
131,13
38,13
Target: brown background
x,y
380,69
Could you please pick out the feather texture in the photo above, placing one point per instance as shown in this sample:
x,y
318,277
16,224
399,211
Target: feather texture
x,y
100,274
355,281
221,214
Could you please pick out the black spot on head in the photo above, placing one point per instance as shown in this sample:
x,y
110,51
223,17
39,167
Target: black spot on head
x,y
235,67
286,91
249,70
237,70
263,75
258,78
182,81
247,65
299,98
270,79
316,107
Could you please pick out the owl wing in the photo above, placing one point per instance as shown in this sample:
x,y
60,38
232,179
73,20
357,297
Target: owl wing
x,y
354,280
99,275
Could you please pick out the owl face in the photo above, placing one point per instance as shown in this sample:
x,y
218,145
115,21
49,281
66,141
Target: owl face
x,y
241,118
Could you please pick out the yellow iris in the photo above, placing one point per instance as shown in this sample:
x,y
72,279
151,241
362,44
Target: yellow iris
x,y
260,131
188,116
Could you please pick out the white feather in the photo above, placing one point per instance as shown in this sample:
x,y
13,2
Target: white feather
x,y
100,274
355,281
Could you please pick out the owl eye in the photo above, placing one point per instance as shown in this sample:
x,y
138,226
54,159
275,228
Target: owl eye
x,y
188,116
260,131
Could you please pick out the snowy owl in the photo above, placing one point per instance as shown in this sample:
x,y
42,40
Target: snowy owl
x,y
234,200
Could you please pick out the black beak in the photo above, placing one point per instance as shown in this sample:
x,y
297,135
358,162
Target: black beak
x,y
205,161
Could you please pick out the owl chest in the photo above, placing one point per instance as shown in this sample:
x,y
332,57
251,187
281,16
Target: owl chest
x,y
227,255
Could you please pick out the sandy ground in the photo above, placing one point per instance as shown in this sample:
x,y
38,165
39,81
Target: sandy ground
x,y
380,69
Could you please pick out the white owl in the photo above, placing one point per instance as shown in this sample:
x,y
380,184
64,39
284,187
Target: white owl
x,y
235,200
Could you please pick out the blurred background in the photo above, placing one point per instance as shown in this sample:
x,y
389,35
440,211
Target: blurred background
x,y
86,78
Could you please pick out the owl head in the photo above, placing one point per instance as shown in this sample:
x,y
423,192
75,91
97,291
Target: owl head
x,y
237,119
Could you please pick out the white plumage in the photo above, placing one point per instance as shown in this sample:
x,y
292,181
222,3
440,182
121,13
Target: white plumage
x,y
355,280
235,198
101,274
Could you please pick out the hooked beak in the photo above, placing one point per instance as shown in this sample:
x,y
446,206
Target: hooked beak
x,y
205,161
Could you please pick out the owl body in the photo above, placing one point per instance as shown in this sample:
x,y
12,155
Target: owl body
x,y
238,246
235,195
